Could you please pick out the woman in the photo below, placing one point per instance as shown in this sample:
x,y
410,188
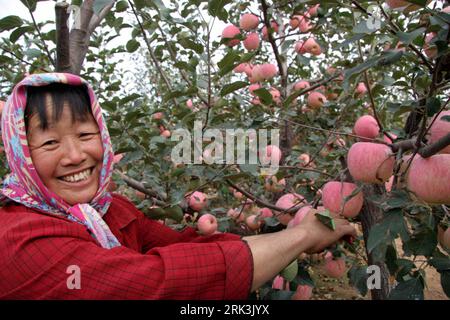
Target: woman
x,y
58,216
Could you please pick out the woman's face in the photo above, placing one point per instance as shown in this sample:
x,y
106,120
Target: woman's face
x,y
67,156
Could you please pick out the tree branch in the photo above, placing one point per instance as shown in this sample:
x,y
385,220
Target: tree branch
x,y
62,37
79,36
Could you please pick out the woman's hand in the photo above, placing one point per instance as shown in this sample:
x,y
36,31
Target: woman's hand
x,y
272,252
320,236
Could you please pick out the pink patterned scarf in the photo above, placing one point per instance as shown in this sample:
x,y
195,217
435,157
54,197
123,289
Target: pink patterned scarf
x,y
23,184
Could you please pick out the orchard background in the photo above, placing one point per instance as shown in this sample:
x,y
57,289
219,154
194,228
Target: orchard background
x,y
358,89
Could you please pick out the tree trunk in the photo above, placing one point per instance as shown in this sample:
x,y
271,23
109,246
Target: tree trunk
x,y
371,215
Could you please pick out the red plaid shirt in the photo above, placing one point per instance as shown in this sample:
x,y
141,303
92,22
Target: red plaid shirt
x,y
154,261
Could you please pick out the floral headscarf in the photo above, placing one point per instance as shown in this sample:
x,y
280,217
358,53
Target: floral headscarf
x,y
23,184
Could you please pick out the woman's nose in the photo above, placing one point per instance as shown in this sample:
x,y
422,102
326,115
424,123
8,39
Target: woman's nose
x,y
73,153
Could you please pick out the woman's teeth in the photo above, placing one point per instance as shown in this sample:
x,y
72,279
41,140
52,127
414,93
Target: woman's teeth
x,y
78,177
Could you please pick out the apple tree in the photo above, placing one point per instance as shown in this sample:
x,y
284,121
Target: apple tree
x,y
359,91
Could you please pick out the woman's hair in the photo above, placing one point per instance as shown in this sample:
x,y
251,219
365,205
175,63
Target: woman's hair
x,y
75,97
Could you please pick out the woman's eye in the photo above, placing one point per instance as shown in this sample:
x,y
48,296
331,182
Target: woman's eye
x,y
88,134
49,143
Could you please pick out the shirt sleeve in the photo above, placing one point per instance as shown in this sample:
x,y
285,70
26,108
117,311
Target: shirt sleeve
x,y
46,258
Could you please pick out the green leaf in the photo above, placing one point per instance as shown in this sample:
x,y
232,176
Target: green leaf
x,y
326,219
358,278
129,98
228,60
175,213
189,44
229,88
132,45
280,295
33,53
264,95
10,22
445,282
433,105
216,8
440,261
30,4
290,271
121,6
408,37
16,34
385,231
445,118
409,290
422,243
303,278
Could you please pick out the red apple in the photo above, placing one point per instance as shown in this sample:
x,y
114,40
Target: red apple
x,y
370,162
439,129
367,127
254,87
301,85
286,202
334,194
207,224
429,178
312,47
316,100
251,42
271,155
334,267
230,32
253,222
197,200
249,21
303,292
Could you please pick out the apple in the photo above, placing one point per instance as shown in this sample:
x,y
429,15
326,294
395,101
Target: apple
x,y
274,25
274,185
361,89
197,201
2,105
304,159
429,178
316,100
334,267
300,47
294,21
166,134
278,282
370,162
264,71
439,129
444,237
189,104
304,26
230,32
276,95
240,68
253,222
251,42
301,85
300,215
271,155
367,127
286,202
303,292
236,215
158,116
266,213
430,49
312,47
249,21
118,157
333,198
313,11
387,139
207,224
